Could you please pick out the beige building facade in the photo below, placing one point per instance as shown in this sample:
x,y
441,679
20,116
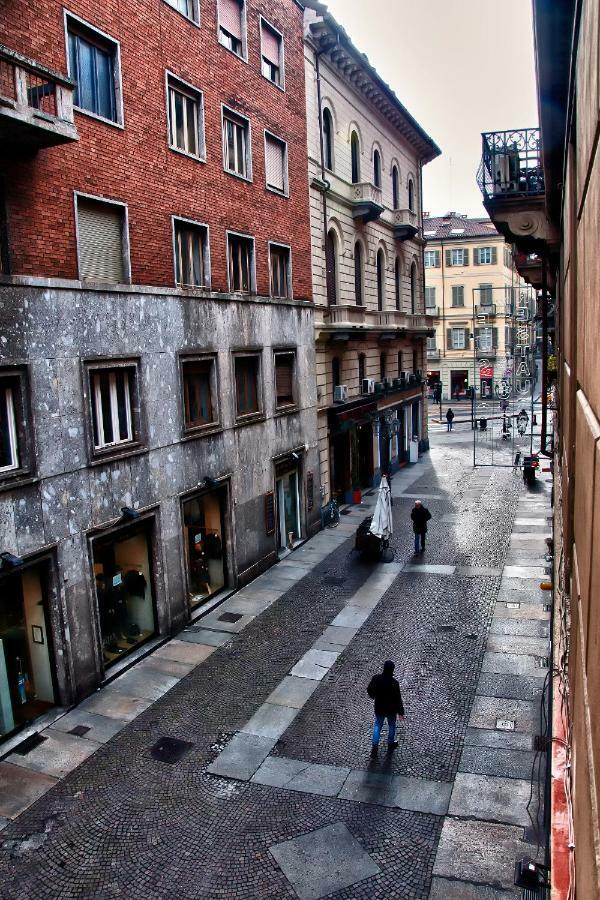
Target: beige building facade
x,y
472,289
365,159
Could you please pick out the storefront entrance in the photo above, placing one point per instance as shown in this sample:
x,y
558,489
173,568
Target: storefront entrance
x,y
340,464
459,382
288,508
204,541
125,590
364,446
27,677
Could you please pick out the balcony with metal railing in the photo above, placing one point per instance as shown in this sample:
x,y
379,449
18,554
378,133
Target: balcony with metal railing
x,y
485,310
36,105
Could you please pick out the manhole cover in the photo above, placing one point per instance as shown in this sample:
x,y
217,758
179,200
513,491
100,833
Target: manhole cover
x,y
505,724
29,744
80,730
333,579
230,617
170,750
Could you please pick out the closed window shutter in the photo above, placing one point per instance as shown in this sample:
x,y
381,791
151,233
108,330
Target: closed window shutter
x,y
270,45
274,163
100,242
495,338
476,257
465,257
449,338
494,256
466,338
437,259
283,379
448,257
230,17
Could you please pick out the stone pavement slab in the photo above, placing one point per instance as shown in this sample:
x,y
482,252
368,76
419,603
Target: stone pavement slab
x,y
517,644
363,786
516,687
487,710
351,617
101,728
324,781
205,637
506,740
428,569
478,571
144,683
270,720
444,889
58,754
531,628
491,799
524,572
323,861
214,623
168,666
524,611
182,651
513,664
399,791
498,762
115,705
242,756
293,692
278,771
19,788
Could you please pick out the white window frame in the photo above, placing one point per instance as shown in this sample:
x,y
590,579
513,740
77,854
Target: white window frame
x,y
286,187
484,252
174,83
278,246
118,77
432,342
227,112
429,258
244,28
124,231
462,343
175,220
430,305
13,439
454,257
454,305
488,344
281,86
251,268
195,19
96,399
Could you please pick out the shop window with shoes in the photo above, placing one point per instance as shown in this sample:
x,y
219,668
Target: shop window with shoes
x,y
287,491
27,668
204,542
123,572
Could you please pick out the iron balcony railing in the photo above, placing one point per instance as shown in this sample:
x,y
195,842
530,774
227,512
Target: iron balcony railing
x,y
511,164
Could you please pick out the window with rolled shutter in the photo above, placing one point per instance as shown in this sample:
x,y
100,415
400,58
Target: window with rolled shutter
x,y
100,238
230,25
284,379
275,159
270,42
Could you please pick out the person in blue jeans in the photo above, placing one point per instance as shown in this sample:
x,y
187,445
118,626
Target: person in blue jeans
x,y
384,690
420,516
449,418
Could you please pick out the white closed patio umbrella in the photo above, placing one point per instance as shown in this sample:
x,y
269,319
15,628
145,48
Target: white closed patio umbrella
x,y
382,525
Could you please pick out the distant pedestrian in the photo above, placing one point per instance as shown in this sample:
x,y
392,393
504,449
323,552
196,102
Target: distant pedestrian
x,y
385,691
420,516
449,418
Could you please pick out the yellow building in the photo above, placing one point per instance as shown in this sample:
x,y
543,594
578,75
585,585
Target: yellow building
x,y
472,290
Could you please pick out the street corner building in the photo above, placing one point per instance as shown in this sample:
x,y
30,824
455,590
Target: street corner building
x,y
366,155
158,441
475,294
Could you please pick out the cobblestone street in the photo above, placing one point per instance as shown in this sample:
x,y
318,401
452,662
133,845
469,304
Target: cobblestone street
x,y
276,724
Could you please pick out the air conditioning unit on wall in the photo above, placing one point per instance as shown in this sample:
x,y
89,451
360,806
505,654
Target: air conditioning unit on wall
x,y
368,386
340,393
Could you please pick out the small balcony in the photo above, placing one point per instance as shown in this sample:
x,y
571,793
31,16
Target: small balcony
x,y
345,315
406,224
490,353
511,179
485,310
433,353
36,105
433,311
367,202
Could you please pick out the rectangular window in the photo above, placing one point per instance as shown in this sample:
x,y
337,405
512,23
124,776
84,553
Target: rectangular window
x,y
101,241
112,404
280,271
458,257
247,390
486,294
198,392
186,119
187,8
276,163
432,259
236,144
285,366
485,339
93,66
241,264
191,255
429,298
9,442
271,45
431,343
484,256
458,295
458,338
231,30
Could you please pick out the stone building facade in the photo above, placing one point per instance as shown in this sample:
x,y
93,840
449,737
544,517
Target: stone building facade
x,y
157,398
472,288
365,159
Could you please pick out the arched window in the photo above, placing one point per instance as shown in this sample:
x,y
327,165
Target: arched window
x,y
397,281
355,154
331,267
358,273
362,370
382,367
328,139
413,288
395,188
380,280
336,371
376,168
411,195
399,363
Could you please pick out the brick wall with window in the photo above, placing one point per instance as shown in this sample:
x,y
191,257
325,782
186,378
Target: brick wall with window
x,y
128,60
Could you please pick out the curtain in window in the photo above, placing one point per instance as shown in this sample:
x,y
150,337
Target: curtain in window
x,y
92,69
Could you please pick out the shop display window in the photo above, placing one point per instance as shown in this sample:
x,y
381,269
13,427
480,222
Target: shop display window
x,y
26,666
204,541
288,506
123,574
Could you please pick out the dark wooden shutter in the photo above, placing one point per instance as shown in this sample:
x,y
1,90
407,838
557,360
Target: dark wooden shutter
x,y
437,259
330,264
270,513
476,256
494,256
284,382
467,339
465,257
310,490
448,257
477,333
449,338
495,338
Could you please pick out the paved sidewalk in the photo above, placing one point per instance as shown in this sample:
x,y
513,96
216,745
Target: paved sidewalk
x,y
234,762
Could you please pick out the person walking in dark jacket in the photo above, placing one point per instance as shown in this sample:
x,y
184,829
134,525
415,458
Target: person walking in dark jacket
x,y
420,516
385,691
449,418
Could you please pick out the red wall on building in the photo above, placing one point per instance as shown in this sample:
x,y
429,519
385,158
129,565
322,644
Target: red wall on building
x,y
135,165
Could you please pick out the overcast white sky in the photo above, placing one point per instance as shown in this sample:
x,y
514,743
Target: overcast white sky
x,y
460,67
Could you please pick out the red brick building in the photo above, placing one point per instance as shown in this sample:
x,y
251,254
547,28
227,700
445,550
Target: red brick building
x,y
157,397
